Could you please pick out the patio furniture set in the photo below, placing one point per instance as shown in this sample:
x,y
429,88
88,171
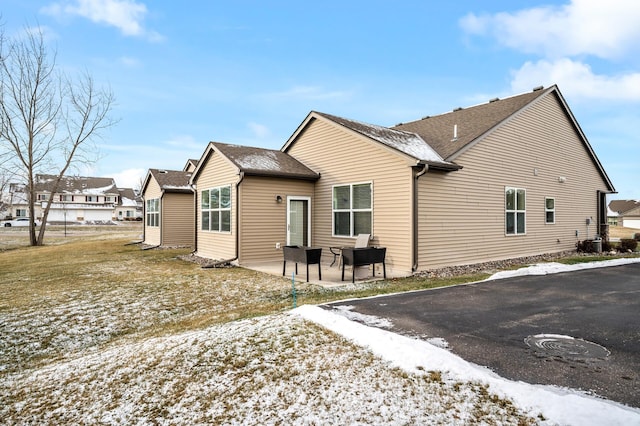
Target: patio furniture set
x,y
358,255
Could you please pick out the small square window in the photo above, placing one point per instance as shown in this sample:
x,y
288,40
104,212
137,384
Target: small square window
x,y
550,210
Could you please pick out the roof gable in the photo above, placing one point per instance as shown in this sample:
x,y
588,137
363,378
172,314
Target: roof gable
x,y
128,197
253,161
172,180
451,132
400,141
190,166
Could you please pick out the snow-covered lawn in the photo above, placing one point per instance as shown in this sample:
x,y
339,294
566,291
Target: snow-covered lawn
x,y
142,338
277,369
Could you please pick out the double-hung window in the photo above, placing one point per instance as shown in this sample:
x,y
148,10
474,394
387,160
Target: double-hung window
x,y
352,209
216,209
515,211
153,212
550,211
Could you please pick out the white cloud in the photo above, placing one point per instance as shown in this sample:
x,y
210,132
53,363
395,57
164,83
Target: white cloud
x,y
129,178
186,142
126,15
606,29
577,80
259,130
129,62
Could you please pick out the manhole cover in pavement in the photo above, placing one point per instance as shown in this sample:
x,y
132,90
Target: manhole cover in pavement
x,y
565,347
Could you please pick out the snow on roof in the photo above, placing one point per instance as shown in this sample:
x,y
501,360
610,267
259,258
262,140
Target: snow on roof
x,y
128,202
177,187
265,160
172,180
77,184
408,142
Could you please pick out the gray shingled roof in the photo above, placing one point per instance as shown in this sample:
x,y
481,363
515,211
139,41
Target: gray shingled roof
x,y
623,206
265,162
472,122
404,141
76,184
172,180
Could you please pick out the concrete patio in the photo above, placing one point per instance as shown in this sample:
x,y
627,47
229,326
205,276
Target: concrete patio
x,y
331,275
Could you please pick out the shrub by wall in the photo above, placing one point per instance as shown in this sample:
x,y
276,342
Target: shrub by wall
x,y
628,244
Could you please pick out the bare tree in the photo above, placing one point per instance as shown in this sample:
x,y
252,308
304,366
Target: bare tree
x,y
48,120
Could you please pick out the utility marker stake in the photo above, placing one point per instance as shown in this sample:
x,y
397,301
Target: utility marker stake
x,y
293,288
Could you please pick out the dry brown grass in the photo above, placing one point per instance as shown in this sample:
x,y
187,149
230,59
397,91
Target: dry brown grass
x,y
621,232
51,290
90,314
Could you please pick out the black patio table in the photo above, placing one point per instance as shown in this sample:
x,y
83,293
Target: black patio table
x,y
363,256
302,254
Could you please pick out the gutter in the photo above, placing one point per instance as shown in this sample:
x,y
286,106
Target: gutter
x,y
195,218
414,225
238,216
222,262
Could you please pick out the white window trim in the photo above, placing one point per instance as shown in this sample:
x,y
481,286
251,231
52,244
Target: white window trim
x,y
309,210
154,212
219,209
350,210
547,210
515,212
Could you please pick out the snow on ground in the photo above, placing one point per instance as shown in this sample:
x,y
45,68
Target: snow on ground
x,y
554,268
556,405
277,369
562,406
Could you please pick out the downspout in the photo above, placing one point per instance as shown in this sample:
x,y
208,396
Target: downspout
x,y
195,218
144,220
161,219
414,225
223,262
238,216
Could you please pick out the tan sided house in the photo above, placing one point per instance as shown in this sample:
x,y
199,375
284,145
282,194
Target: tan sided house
x,y
245,198
626,212
169,217
510,178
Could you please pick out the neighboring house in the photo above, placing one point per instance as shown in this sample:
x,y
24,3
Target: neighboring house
x,y
510,178
77,199
129,206
168,208
625,212
17,205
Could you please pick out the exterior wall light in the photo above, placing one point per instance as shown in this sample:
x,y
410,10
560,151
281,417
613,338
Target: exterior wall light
x,y
278,199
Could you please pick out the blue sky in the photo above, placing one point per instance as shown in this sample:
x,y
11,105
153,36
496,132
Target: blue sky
x,y
248,72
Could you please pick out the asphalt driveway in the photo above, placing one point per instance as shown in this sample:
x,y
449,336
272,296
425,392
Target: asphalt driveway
x,y
487,323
